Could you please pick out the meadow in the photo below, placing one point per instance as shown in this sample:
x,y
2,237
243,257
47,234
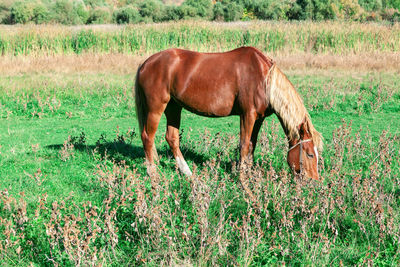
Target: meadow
x,y
73,186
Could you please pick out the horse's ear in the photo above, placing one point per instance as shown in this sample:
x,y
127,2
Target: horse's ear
x,y
301,129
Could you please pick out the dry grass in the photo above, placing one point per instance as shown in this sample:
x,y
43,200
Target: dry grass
x,y
289,27
356,62
92,63
127,64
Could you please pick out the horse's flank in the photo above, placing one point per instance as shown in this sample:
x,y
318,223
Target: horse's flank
x,y
288,106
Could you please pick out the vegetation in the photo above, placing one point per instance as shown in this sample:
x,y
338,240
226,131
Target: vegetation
x,y
74,188
334,37
73,12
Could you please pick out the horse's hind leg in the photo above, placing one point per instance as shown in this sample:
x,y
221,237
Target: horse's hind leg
x,y
173,114
148,136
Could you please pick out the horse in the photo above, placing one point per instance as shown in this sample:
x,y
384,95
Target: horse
x,y
241,82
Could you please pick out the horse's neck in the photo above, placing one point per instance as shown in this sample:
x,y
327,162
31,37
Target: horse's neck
x,y
286,130
286,103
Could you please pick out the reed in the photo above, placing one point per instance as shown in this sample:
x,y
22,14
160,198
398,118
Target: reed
x,y
288,37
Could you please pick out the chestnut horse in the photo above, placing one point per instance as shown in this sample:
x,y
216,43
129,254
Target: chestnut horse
x,y
240,82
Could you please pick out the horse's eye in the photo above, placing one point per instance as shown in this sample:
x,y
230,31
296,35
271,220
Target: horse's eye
x,y
310,155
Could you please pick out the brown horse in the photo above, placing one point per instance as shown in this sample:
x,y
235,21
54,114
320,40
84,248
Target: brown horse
x,y
240,82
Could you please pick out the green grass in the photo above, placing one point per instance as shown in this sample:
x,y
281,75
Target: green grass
x,y
314,37
97,112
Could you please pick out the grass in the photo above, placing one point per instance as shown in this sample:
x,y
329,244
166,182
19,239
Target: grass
x,y
313,37
69,142
73,188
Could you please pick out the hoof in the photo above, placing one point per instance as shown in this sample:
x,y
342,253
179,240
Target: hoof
x,y
183,167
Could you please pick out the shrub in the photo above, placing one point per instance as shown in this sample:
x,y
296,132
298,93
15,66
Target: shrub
x,y
99,15
393,4
186,11
323,10
271,9
233,11
132,11
218,11
5,11
21,12
70,12
153,10
26,11
350,9
95,3
171,13
198,8
40,13
391,14
369,5
314,9
127,14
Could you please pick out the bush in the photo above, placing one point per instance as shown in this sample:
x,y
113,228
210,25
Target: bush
x,y
171,13
40,13
394,4
233,12
21,12
70,12
368,5
127,14
198,8
5,11
391,14
152,10
132,11
228,10
350,9
95,3
99,15
314,9
323,10
26,11
218,11
271,9
186,11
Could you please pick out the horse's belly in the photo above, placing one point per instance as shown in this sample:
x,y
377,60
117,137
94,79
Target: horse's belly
x,y
206,105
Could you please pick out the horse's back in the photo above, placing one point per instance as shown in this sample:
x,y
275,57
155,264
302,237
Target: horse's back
x,y
205,83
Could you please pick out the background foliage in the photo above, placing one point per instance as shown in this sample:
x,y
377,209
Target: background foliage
x,y
72,12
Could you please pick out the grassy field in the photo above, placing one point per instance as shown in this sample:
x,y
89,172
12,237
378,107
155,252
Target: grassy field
x,y
73,188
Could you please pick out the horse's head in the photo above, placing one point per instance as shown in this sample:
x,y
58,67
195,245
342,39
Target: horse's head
x,y
303,155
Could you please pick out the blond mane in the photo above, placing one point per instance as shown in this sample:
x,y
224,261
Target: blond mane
x,y
289,107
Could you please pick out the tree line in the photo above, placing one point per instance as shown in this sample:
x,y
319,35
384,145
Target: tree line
x,y
74,12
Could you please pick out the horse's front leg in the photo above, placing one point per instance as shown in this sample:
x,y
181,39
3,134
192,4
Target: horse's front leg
x,y
254,135
173,114
247,122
